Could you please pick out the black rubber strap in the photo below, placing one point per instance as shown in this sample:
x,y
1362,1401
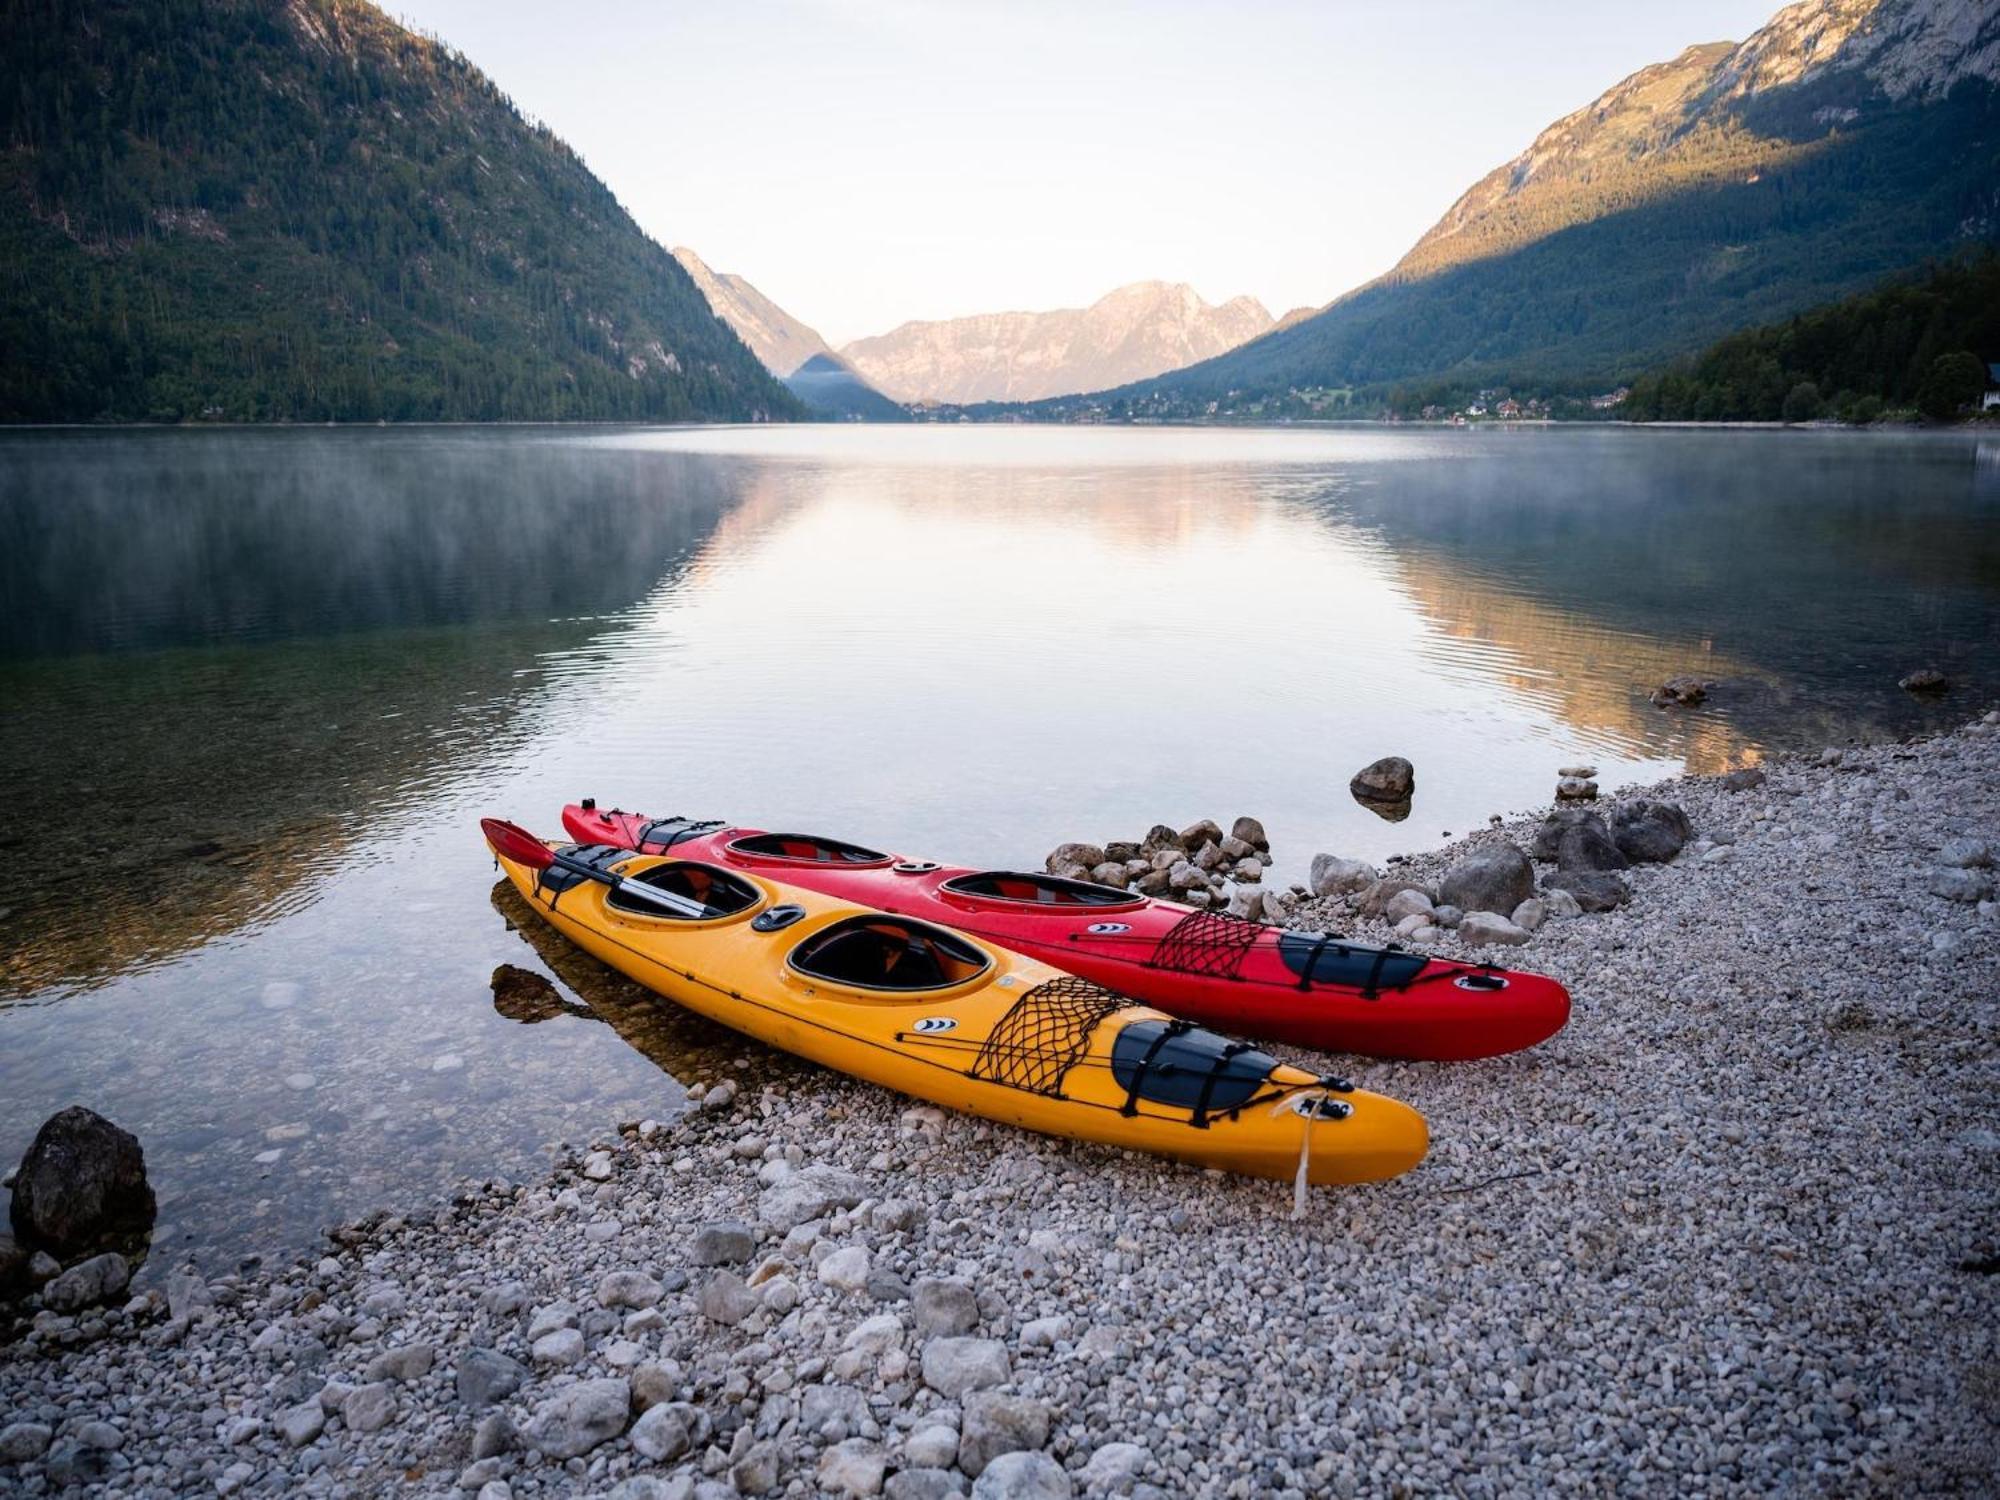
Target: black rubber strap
x,y
1371,990
1170,1030
1215,1075
1312,960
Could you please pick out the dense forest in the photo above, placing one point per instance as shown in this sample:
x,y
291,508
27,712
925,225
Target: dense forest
x,y
1761,208
1917,345
255,210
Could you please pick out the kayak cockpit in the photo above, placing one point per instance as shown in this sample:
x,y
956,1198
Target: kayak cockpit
x,y
806,849
713,893
1018,888
889,954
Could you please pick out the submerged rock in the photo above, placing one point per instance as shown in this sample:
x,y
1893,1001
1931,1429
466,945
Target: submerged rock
x,y
1924,680
525,996
1680,692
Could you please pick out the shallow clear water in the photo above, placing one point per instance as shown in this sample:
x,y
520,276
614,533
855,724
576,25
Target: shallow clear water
x,y
259,686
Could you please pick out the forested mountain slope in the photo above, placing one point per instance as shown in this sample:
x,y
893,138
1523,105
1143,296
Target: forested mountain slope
x,y
298,210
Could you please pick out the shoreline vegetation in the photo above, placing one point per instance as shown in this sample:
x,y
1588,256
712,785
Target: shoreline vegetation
x,y
1660,1248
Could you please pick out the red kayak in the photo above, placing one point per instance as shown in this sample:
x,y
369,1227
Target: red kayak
x,y
1312,989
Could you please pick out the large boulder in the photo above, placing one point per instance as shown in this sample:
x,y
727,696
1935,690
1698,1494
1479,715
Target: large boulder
x,y
1491,877
1649,832
82,1185
88,1283
1159,837
1390,779
810,1193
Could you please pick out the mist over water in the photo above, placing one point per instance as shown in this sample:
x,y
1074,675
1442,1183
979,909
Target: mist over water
x,y
259,686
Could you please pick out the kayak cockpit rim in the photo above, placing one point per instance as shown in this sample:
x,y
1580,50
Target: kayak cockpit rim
x,y
721,895
886,956
806,849
1016,888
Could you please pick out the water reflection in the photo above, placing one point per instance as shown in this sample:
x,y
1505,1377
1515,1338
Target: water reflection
x,y
242,778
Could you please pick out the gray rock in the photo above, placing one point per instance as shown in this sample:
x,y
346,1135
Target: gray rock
x,y
1953,885
955,1366
756,1472
1924,680
631,1289
1333,876
653,1487
808,1194
1530,914
1743,780
1023,1476
854,1467
299,1425
405,1363
1481,929
933,1447
1576,838
23,1442
994,1424
88,1283
1490,877
1558,903
548,1319
944,1305
486,1377
727,1242
1115,1464
1390,779
1160,837
100,1435
1406,904
1649,832
82,1185
1376,900
1121,851
494,1435
832,1412
1447,915
725,1299
923,1484
653,1384
369,1408
578,1418
563,1346
1111,873
1966,854
661,1435
1591,890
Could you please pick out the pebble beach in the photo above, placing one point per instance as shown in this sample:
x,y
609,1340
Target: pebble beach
x,y
1733,1231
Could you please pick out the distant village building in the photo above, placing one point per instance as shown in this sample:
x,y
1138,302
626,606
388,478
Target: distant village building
x,y
1610,399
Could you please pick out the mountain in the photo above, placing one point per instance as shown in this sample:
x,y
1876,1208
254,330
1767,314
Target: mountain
x,y
795,353
1922,343
777,338
1134,332
298,210
1735,184
826,385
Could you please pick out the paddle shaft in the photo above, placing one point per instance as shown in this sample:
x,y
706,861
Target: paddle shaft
x,y
666,900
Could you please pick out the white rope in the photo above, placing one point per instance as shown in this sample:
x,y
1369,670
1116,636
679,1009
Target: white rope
x,y
1302,1179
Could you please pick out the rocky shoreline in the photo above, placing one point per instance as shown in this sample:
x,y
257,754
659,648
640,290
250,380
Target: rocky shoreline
x,y
1733,1231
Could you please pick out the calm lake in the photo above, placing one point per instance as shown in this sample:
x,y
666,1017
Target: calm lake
x,y
259,686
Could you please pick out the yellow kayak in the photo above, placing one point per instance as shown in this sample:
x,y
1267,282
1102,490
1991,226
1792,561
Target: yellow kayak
x,y
931,1013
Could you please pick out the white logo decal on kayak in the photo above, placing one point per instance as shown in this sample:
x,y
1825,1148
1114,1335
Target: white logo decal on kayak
x,y
935,1023
1105,929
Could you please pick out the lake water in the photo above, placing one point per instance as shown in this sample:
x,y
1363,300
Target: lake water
x,y
259,686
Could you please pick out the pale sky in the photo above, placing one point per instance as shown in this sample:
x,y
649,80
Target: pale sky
x,y
864,164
